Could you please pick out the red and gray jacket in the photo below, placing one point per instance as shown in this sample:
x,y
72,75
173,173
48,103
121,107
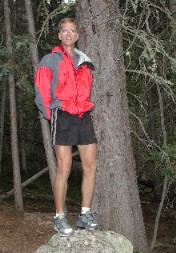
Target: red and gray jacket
x,y
59,84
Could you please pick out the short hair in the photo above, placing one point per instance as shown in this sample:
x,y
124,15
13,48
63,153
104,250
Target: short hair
x,y
65,20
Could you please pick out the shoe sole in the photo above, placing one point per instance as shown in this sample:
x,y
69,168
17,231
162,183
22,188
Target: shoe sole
x,y
63,235
88,229
82,226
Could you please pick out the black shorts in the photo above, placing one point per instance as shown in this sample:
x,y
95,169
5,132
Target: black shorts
x,y
70,130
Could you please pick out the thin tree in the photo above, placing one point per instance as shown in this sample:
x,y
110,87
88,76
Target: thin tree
x,y
167,162
51,161
22,142
116,198
151,94
172,7
13,117
166,181
2,113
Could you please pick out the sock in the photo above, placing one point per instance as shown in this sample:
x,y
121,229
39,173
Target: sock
x,y
60,215
85,210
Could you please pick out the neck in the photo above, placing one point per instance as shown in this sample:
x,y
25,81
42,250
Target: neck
x,y
70,50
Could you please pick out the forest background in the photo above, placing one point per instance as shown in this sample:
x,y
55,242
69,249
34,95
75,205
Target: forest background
x,y
148,29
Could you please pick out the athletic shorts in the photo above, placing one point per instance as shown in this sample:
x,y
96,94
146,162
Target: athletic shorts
x,y
70,130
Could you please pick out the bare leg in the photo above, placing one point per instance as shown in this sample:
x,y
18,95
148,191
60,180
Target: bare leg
x,y
64,161
88,159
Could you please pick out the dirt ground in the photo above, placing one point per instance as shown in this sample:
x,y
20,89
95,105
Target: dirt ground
x,y
24,234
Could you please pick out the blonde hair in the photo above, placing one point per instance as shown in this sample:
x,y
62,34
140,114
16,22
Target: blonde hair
x,y
66,20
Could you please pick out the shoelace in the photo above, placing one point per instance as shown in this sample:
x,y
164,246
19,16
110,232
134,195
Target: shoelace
x,y
63,222
90,217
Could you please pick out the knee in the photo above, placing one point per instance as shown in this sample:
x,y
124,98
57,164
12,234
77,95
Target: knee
x,y
89,169
93,166
64,168
63,171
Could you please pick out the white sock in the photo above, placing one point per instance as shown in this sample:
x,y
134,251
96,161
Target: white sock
x,y
60,215
85,210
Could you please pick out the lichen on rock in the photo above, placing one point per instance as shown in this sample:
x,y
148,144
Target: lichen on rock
x,y
88,241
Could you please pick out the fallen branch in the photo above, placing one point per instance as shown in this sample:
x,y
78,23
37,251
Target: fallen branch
x,y
24,184
28,181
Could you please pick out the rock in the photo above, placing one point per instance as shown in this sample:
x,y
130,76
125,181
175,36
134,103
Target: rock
x,y
83,241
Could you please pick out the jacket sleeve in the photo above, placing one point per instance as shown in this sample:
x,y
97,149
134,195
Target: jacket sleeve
x,y
43,79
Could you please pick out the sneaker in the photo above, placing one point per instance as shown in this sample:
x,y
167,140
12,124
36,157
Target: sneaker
x,y
62,227
87,221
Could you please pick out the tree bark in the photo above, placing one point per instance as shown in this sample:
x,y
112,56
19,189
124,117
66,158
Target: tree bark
x,y
50,157
116,197
2,112
172,7
13,120
23,155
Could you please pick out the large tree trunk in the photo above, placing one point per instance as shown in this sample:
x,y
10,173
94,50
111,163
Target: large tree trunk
x,y
50,157
2,112
116,197
13,120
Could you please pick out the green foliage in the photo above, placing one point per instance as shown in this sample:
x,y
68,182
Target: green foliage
x,y
50,15
167,172
46,15
4,67
20,42
149,51
4,71
24,84
170,150
4,53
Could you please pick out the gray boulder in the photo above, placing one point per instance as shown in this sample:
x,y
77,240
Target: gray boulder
x,y
83,241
